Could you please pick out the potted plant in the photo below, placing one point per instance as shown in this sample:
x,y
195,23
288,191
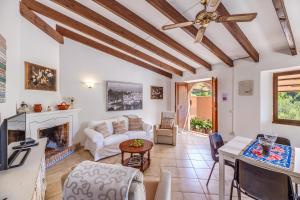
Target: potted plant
x,y
207,126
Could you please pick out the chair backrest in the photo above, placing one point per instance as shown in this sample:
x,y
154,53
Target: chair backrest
x,y
216,141
261,183
279,140
168,114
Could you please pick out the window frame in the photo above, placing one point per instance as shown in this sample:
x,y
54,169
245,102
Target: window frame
x,y
276,120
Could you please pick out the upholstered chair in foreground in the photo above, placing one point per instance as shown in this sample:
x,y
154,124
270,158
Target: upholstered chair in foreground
x,y
166,132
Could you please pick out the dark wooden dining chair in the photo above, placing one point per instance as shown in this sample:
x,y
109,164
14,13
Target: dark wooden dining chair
x,y
216,141
284,141
279,140
261,184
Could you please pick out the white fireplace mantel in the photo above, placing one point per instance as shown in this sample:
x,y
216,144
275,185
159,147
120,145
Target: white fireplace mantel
x,y
43,120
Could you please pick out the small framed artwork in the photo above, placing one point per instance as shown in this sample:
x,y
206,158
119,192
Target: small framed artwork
x,y
157,92
246,88
39,78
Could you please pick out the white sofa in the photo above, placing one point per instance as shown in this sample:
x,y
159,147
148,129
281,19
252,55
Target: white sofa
x,y
101,147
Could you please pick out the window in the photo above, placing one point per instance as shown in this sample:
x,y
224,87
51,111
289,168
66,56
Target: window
x,y
286,98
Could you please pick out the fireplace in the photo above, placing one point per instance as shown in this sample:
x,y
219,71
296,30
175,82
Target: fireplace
x,y
58,146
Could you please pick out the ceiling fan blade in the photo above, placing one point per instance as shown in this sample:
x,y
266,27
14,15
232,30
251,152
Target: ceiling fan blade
x,y
212,5
200,34
237,18
178,25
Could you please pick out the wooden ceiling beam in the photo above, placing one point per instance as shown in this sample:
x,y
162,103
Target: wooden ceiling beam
x,y
145,26
40,23
238,34
176,17
119,30
59,17
91,43
285,24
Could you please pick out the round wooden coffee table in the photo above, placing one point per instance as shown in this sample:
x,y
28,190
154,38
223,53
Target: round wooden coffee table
x,y
145,162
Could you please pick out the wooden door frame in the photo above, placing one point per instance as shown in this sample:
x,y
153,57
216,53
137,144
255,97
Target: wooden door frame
x,y
215,115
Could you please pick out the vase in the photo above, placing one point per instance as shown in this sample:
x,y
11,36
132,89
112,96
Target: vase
x,y
37,108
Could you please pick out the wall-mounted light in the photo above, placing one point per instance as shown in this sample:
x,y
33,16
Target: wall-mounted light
x,y
90,84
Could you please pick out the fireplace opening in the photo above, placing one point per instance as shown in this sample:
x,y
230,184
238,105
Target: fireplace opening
x,y
58,146
58,139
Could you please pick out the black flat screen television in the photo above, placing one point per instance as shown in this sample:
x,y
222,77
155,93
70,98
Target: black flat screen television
x,y
12,131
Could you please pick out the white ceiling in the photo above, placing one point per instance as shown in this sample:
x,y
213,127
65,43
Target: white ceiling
x,y
264,32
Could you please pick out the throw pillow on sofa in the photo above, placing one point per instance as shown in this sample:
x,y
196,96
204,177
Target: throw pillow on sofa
x,y
102,128
135,124
119,127
167,123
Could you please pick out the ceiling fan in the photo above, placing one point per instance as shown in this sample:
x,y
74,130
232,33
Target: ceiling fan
x,y
209,14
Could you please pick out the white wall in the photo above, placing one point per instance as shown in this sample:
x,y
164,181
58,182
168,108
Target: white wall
x,y
225,78
251,114
80,63
10,30
38,48
25,42
249,120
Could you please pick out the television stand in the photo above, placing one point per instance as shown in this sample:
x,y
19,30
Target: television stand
x,y
15,155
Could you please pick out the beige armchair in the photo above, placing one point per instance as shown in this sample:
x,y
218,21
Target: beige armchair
x,y
166,132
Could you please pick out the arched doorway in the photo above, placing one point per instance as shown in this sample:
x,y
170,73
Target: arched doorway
x,y
196,105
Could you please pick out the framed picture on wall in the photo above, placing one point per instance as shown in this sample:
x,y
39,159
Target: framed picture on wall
x,y
39,78
123,96
157,92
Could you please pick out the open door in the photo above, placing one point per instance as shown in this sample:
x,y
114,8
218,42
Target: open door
x,y
214,104
182,104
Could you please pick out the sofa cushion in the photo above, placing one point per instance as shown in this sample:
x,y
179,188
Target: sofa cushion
x,y
135,124
115,138
167,123
119,127
165,132
102,128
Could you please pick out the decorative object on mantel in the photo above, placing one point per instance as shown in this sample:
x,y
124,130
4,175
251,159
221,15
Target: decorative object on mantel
x,y
70,100
24,108
123,96
49,109
39,78
157,92
2,69
246,88
63,106
37,108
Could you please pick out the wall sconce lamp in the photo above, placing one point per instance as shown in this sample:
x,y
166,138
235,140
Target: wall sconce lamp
x,y
89,84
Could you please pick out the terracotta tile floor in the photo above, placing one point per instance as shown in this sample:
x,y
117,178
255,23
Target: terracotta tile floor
x,y
189,163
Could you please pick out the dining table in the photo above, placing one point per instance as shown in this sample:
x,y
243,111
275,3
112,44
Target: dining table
x,y
233,149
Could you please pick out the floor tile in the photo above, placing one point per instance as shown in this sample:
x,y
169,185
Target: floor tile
x,y
204,174
193,196
199,164
186,185
184,163
177,196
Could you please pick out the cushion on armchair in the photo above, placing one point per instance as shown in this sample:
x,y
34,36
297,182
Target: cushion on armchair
x,y
135,124
167,123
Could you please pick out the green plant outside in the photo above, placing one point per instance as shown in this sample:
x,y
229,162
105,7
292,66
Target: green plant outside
x,y
289,105
201,125
201,90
